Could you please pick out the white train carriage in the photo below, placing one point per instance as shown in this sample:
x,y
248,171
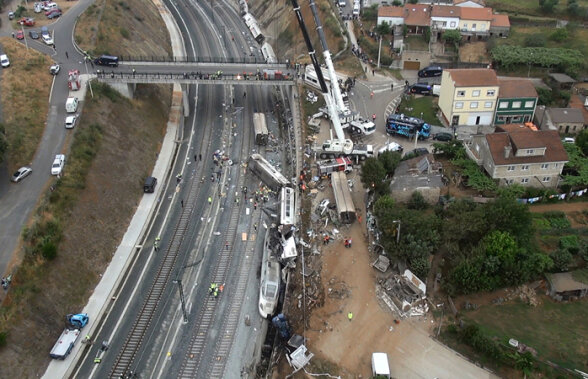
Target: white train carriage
x,y
253,27
268,53
343,199
287,206
269,288
267,173
260,128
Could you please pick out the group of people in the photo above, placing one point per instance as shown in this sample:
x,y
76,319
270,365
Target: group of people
x,y
6,281
215,288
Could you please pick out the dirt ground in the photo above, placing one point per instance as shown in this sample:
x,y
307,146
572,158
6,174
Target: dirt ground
x,y
474,52
574,211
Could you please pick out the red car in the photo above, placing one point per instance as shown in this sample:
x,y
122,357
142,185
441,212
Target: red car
x,y
51,11
27,21
20,34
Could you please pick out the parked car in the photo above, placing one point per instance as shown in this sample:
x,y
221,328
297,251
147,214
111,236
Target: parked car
x,y
55,14
430,71
49,6
392,146
420,89
418,151
70,121
11,15
48,39
54,69
4,60
27,21
33,34
569,140
44,31
107,60
58,163
21,173
443,137
20,35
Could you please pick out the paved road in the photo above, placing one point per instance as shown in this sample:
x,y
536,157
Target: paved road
x,y
17,201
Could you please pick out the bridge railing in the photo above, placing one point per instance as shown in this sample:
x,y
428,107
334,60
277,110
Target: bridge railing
x,y
192,59
138,76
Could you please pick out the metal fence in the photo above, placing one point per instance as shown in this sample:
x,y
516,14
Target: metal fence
x,y
460,64
192,59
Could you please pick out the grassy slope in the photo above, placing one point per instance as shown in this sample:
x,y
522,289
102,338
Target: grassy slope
x,y
557,331
100,204
24,106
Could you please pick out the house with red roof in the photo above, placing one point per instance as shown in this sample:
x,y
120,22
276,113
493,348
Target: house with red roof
x,y
517,153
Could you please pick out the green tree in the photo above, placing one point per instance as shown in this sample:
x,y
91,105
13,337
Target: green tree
x,y
390,160
506,214
547,6
453,149
573,8
417,201
582,141
545,96
397,3
501,245
452,36
559,35
535,40
413,1
561,260
373,176
383,28
577,166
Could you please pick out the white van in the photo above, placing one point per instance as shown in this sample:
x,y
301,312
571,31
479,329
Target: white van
x,y
356,9
50,6
392,146
71,105
342,3
380,365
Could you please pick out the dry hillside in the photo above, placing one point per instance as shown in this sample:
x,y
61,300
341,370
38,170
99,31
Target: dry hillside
x,y
92,206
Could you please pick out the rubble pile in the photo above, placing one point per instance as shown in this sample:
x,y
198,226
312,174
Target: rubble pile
x,y
404,294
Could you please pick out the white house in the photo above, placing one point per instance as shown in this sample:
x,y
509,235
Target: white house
x,y
445,17
469,3
391,15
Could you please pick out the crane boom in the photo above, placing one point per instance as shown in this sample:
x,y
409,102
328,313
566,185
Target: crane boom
x,y
335,90
346,145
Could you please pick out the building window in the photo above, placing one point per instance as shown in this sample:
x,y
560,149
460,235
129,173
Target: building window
x,y
516,119
482,27
529,104
452,24
460,93
458,104
465,25
574,127
546,178
544,166
516,104
488,104
527,118
474,104
525,180
511,168
501,118
529,151
490,92
525,167
476,93
509,181
473,26
503,105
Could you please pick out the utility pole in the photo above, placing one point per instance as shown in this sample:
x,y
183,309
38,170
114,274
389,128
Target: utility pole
x,y
379,51
179,283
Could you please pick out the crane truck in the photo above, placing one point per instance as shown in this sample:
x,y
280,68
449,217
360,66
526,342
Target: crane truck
x,y
340,146
69,336
347,118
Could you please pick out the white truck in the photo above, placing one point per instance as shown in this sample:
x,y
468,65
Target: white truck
x,y
380,365
335,148
361,126
69,336
332,165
